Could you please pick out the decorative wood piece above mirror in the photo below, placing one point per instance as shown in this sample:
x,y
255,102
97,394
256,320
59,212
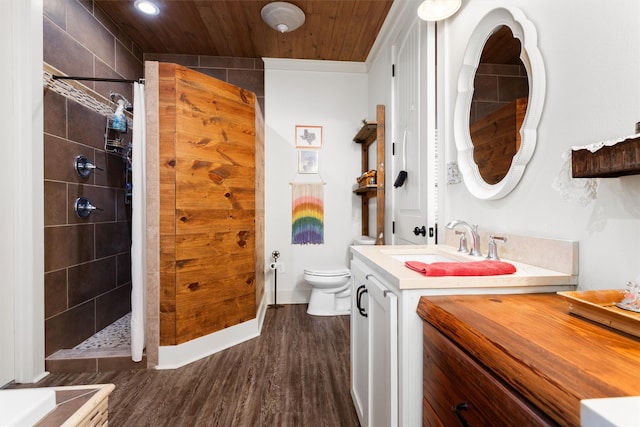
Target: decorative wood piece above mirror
x,y
500,97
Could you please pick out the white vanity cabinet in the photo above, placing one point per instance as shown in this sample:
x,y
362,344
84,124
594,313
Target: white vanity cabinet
x,y
386,345
374,343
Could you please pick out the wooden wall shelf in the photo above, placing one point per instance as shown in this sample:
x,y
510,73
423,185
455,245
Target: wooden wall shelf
x,y
608,162
370,188
369,133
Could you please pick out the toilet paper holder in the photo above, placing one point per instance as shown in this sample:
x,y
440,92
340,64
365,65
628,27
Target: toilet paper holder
x,y
274,266
274,255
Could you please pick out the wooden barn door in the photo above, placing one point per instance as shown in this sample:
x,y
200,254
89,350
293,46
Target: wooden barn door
x,y
207,204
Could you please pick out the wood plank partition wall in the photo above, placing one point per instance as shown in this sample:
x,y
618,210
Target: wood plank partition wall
x,y
207,158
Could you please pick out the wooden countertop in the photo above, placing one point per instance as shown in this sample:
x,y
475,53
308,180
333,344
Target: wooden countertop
x,y
551,357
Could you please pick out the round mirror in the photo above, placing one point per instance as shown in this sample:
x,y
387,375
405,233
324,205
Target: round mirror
x,y
499,103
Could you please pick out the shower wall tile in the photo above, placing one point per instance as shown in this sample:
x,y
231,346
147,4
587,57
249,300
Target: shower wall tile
x,y
90,280
55,202
69,245
105,88
55,112
55,293
81,26
56,11
252,80
59,156
216,73
86,126
123,210
185,60
69,328
124,269
106,22
113,170
126,64
112,238
227,62
64,53
112,306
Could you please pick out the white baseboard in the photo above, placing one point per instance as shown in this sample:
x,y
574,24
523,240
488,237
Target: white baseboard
x,y
290,297
175,356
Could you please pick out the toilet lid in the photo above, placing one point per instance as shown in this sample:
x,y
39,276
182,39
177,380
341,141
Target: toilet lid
x,y
328,272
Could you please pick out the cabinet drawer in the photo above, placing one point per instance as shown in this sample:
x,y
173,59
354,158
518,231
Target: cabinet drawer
x,y
451,379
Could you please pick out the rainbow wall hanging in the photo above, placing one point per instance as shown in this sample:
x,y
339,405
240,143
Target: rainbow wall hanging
x,y
307,215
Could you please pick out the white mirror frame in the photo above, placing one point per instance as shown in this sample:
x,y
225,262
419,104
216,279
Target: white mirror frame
x,y
524,31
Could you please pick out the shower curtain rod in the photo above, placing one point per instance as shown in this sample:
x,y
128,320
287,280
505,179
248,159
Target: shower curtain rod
x,y
96,79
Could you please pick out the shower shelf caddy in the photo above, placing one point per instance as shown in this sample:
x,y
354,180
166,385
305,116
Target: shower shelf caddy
x,y
115,143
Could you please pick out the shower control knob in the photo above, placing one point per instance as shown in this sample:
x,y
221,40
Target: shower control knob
x,y
84,167
83,207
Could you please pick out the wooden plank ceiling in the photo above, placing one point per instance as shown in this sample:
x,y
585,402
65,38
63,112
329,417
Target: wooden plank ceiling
x,y
339,30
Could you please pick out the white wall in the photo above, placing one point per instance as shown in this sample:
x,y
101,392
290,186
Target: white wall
x,y
334,96
21,214
592,64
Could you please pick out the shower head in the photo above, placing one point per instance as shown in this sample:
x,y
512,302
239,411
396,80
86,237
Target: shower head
x,y
127,105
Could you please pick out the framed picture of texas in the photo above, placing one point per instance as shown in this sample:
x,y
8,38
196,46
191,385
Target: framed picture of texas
x,y
308,136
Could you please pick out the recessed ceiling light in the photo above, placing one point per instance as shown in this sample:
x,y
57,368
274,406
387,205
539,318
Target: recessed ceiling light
x,y
147,7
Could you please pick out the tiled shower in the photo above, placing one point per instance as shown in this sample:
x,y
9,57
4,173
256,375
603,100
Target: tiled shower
x,y
87,261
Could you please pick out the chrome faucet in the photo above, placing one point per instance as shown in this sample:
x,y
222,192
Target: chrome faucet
x,y
473,233
493,247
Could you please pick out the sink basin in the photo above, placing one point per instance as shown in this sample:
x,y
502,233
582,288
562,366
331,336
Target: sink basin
x,y
426,258
25,407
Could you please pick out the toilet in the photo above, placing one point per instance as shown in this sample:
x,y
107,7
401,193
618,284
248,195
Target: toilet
x,y
330,291
331,287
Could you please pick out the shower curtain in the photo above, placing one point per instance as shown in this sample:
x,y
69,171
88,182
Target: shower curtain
x,y
138,225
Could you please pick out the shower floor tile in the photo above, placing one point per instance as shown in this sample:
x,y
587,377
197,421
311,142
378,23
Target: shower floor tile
x,y
117,334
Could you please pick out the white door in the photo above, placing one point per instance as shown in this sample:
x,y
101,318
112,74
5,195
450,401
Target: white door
x,y
383,354
414,136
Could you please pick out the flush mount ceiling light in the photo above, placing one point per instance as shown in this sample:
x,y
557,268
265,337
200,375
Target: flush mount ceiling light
x,y
282,16
436,10
147,7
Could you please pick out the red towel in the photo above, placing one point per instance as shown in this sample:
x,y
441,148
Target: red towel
x,y
474,268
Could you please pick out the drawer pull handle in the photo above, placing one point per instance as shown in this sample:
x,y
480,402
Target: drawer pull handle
x,y
362,289
458,411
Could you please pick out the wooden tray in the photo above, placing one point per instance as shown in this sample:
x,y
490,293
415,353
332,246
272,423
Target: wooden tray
x,y
600,307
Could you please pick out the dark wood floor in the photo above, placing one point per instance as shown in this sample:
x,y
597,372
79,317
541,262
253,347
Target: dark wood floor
x,y
295,374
